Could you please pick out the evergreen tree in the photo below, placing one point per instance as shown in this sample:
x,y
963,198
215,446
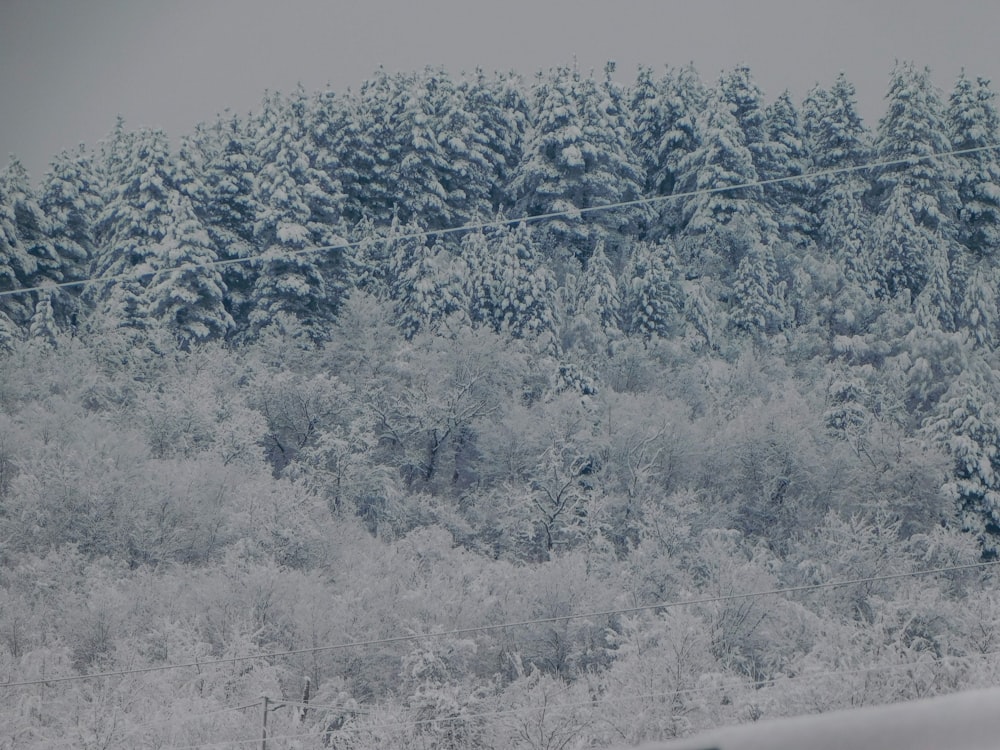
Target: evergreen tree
x,y
967,424
429,288
15,266
71,202
685,96
839,140
974,124
902,248
476,258
495,135
131,226
417,177
758,299
115,159
787,155
579,157
746,101
912,129
31,226
623,176
228,213
392,258
553,161
652,302
155,253
297,210
187,297
835,131
598,297
917,198
716,222
513,291
31,257
977,312
933,306
43,326
367,150
649,125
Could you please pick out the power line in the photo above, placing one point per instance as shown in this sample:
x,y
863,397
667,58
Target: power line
x,y
514,624
189,717
497,223
555,707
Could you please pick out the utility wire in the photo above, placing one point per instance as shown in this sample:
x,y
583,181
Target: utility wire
x,y
186,717
556,707
471,227
506,625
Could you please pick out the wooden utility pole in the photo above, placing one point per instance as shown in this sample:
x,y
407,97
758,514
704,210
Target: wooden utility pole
x,y
304,708
263,730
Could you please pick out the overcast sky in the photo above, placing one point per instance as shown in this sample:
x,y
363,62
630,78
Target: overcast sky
x,y
68,67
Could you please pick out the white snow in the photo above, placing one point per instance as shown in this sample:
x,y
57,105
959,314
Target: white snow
x,y
962,721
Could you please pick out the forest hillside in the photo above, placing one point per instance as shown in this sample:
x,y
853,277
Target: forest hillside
x,y
484,411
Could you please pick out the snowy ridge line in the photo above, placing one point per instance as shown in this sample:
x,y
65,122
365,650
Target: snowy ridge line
x,y
497,223
501,626
555,707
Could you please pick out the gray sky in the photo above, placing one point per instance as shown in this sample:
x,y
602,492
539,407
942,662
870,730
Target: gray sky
x,y
68,67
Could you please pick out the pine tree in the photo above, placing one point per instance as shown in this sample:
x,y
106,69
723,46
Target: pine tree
x,y
31,257
933,306
323,115
579,157
187,296
835,131
31,225
131,226
649,125
974,124
621,177
978,310
967,423
43,326
685,96
367,149
746,101
554,160
429,288
787,155
495,141
228,213
598,297
917,200
839,140
115,159
902,248
296,212
652,303
156,253
71,202
758,300
476,257
714,222
513,291
417,177
15,266
913,128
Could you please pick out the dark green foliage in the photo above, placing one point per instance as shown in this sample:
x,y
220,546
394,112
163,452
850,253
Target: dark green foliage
x,y
974,126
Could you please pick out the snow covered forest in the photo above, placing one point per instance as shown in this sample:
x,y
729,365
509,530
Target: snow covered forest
x,y
514,484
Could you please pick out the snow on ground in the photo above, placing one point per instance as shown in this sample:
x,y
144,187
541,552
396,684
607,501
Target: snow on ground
x,y
962,721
